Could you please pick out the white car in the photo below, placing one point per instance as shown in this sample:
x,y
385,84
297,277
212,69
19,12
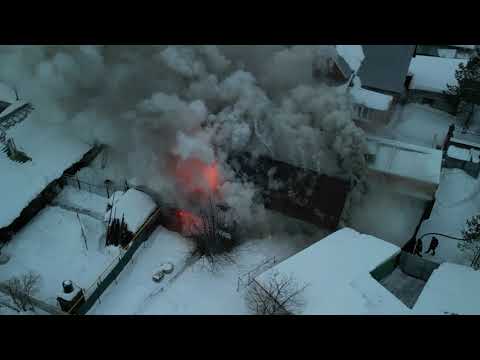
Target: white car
x,y
158,276
166,268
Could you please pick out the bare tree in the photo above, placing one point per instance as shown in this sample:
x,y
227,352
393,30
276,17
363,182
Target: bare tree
x,y
278,295
21,288
213,235
471,241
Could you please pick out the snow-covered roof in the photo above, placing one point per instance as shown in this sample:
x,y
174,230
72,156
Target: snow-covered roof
x,y
6,93
352,54
371,99
52,150
135,206
470,47
431,73
337,270
451,289
405,160
455,152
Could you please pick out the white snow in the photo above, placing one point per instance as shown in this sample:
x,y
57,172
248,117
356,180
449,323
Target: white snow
x,y
337,270
352,54
134,205
431,73
195,289
407,161
447,53
52,151
457,199
371,99
451,289
81,199
52,245
417,124
7,94
386,213
455,152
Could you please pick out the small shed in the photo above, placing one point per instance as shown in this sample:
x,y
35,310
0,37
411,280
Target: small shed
x,y
463,157
430,76
410,169
337,271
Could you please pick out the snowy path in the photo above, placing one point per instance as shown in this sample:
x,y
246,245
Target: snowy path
x,y
458,198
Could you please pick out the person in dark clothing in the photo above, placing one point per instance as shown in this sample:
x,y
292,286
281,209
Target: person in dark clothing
x,y
433,246
418,248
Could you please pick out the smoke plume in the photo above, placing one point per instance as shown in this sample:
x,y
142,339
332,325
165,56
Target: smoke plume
x,y
152,104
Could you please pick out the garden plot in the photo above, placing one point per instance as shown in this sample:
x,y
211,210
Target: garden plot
x,y
53,246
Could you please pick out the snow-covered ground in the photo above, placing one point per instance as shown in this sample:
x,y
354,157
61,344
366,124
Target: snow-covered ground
x,y
52,151
196,290
387,214
52,245
457,199
84,201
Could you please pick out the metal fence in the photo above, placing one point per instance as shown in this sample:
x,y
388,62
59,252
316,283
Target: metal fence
x,y
52,310
110,274
247,278
104,190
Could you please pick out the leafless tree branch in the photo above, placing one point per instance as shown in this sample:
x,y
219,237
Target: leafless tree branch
x,y
21,288
278,295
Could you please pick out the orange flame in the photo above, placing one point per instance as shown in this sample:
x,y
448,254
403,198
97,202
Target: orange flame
x,y
196,177
189,222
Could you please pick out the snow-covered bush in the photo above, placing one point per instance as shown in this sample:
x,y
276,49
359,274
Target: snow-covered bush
x,y
214,236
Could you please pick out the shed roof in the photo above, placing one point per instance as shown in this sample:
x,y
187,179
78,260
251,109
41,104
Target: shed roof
x,y
385,67
451,289
337,270
405,160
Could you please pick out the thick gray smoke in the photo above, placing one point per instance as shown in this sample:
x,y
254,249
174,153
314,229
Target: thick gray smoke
x,y
151,102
